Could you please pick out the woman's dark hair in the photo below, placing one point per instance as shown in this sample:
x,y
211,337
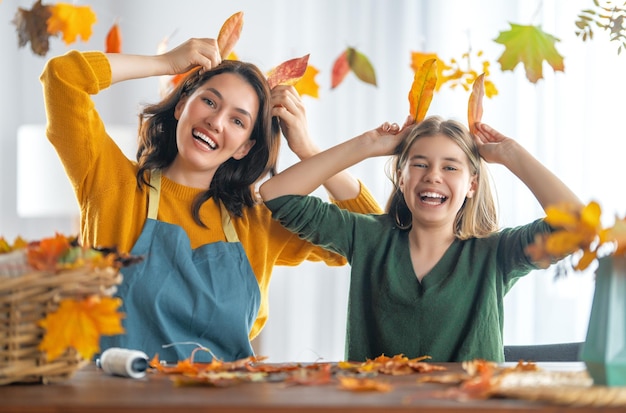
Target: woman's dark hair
x,y
234,181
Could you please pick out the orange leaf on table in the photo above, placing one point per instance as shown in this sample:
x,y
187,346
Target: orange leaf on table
x,y
72,21
422,89
341,68
307,85
79,325
361,66
475,105
229,34
288,72
531,46
114,39
31,27
362,384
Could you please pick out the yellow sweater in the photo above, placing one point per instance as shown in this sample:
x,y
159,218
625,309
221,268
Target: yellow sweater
x,y
113,209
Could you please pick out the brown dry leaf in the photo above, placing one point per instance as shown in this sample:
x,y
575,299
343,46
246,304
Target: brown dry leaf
x,y
72,21
114,39
421,93
475,105
229,34
341,68
79,325
32,27
288,72
307,85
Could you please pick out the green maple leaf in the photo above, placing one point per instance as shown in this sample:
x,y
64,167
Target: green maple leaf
x,y
531,46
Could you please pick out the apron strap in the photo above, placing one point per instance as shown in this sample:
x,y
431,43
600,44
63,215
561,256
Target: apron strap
x,y
153,207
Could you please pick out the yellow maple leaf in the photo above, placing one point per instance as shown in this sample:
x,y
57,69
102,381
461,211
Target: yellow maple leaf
x,y
307,85
72,21
531,46
79,325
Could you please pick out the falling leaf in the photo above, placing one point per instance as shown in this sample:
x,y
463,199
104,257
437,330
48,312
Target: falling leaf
x,y
229,34
530,46
307,85
475,105
289,72
114,39
421,93
31,27
361,66
341,68
79,325
72,21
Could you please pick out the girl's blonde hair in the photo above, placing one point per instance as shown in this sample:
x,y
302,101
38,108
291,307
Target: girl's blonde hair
x,y
478,216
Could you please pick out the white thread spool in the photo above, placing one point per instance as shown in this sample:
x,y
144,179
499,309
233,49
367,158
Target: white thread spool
x,y
123,362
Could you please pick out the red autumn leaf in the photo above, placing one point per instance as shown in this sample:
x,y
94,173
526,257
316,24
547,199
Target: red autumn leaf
x,y
475,105
361,66
229,34
289,72
114,39
421,93
341,67
31,27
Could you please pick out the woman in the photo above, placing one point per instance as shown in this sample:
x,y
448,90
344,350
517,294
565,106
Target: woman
x,y
187,205
429,276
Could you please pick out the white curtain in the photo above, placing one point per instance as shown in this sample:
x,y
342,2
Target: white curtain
x,y
568,120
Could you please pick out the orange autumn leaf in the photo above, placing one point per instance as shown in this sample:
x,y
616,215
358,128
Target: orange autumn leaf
x,y
114,39
418,59
288,72
307,85
421,93
72,21
45,254
79,325
362,384
229,34
475,105
341,68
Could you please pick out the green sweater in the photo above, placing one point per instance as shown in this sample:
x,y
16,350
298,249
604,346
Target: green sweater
x,y
456,313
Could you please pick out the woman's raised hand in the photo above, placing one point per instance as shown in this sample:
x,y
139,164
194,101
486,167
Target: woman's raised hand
x,y
192,53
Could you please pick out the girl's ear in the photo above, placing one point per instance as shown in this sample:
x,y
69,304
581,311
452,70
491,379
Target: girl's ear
x,y
180,106
244,149
473,186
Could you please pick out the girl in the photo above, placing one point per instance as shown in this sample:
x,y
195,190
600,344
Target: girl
x,y
188,204
429,276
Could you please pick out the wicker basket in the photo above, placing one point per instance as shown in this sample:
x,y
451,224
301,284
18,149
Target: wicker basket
x,y
27,296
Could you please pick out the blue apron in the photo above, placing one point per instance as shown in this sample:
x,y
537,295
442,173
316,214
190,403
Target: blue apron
x,y
204,297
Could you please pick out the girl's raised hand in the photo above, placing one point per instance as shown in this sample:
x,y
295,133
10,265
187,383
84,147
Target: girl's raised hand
x,y
193,53
493,146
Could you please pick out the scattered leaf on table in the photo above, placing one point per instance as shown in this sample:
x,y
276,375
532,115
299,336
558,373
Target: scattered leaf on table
x,y
79,325
360,384
361,66
114,39
307,85
229,34
288,72
422,89
72,21
531,46
475,105
31,27
341,68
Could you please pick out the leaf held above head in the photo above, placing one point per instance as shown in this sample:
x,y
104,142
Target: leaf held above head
x,y
475,105
361,66
341,68
288,72
229,34
307,85
421,93
114,39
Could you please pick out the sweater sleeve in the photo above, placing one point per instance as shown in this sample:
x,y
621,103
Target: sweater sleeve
x,y
363,203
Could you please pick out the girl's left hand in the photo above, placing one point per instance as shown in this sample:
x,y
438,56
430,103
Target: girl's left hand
x,y
493,146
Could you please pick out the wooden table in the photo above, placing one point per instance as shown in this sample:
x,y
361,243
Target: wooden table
x,y
90,390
